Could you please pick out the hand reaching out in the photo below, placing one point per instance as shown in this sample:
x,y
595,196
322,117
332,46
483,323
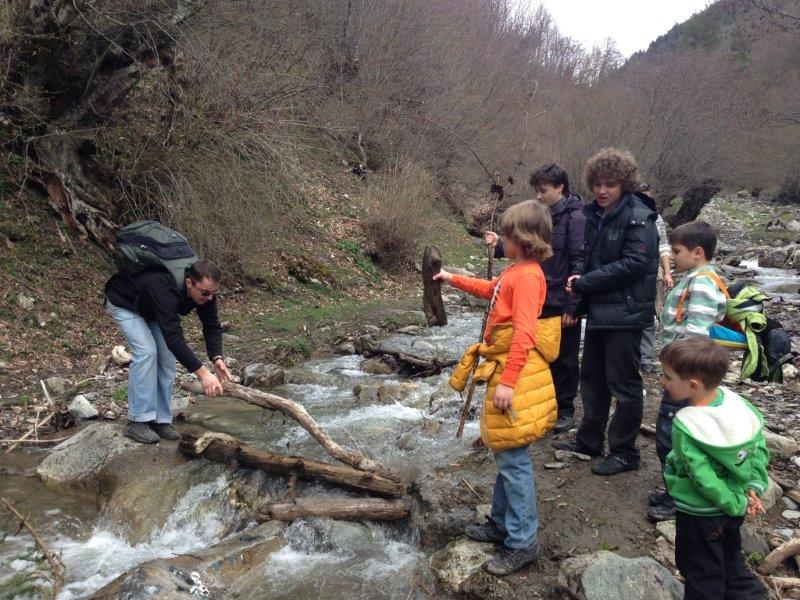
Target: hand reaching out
x,y
443,275
754,504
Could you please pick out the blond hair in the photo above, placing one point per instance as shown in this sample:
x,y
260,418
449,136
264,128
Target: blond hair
x,y
530,226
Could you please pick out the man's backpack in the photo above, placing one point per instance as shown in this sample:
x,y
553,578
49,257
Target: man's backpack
x,y
146,245
766,344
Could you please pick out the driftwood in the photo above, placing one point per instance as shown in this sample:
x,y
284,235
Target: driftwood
x,y
351,509
432,290
226,449
298,412
774,559
32,431
786,582
56,566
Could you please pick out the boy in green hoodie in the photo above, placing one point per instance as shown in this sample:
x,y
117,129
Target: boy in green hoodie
x,y
715,472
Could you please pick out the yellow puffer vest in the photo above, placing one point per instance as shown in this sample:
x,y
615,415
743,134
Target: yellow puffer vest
x,y
534,395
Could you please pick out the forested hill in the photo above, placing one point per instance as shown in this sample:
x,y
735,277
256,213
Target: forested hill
x,y
248,125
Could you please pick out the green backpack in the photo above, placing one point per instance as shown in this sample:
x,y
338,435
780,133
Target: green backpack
x,y
146,245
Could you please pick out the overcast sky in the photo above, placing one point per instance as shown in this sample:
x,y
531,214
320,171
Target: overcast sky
x,y
632,24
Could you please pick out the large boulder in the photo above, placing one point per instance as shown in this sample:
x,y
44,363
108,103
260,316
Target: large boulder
x,y
608,576
263,376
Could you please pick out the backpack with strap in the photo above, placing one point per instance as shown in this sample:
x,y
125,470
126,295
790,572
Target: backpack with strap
x,y
766,344
146,245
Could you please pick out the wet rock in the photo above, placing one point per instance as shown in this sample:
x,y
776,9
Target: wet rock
x,y
57,386
222,568
394,392
377,366
81,408
263,376
299,375
780,446
367,393
431,426
407,442
457,561
608,576
752,541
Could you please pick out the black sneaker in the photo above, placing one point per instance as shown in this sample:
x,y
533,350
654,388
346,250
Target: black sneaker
x,y
563,423
658,497
165,430
661,512
615,464
140,432
511,560
574,446
486,532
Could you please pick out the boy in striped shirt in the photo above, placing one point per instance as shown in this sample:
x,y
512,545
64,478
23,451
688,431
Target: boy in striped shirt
x,y
691,308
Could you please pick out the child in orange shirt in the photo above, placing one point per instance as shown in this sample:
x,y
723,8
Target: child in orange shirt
x,y
520,404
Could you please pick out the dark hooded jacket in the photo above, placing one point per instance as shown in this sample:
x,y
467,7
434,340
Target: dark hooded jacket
x,y
567,243
620,264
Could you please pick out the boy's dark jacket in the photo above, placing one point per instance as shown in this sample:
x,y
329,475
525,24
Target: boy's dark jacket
x,y
620,264
567,243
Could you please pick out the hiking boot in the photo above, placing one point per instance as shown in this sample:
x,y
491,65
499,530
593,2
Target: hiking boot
x,y
140,432
486,532
165,430
661,512
659,497
574,446
511,560
615,464
563,423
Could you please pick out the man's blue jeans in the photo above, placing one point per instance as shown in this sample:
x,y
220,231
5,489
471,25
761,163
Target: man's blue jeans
x,y
514,499
152,371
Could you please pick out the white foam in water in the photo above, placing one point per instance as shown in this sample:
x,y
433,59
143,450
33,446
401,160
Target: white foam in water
x,y
93,563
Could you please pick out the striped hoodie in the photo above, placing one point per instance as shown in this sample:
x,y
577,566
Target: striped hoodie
x,y
718,453
703,306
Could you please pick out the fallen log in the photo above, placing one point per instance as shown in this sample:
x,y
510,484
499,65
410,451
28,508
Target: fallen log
x,y
298,412
432,302
226,449
350,509
774,559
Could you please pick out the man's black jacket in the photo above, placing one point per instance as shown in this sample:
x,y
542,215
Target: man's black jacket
x,y
618,282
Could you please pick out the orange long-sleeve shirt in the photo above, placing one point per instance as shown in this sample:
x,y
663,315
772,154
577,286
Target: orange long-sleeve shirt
x,y
519,299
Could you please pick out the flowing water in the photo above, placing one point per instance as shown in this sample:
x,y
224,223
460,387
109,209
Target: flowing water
x,y
352,561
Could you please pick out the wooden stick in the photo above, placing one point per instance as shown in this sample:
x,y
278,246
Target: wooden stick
x,y
774,559
647,429
467,402
26,441
351,509
55,562
41,423
786,582
226,449
298,412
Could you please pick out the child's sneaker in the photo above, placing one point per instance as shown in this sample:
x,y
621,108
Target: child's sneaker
x,y
511,560
658,497
486,532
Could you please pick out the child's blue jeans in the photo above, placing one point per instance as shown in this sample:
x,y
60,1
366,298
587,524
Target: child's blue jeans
x,y
514,500
152,371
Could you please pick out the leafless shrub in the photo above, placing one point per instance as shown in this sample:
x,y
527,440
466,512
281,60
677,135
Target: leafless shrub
x,y
400,212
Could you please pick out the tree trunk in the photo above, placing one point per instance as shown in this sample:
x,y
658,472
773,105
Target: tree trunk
x,y
223,448
298,412
432,290
351,509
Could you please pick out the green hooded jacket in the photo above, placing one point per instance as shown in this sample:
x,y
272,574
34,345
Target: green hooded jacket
x,y
718,453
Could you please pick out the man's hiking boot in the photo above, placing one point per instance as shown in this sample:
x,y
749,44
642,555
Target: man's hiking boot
x,y
574,446
165,430
615,464
511,560
140,432
563,423
485,532
658,497
661,512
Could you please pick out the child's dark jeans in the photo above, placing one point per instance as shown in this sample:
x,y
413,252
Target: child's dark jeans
x,y
708,552
666,413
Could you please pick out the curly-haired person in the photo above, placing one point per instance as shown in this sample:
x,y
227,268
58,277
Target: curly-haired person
x,y
618,287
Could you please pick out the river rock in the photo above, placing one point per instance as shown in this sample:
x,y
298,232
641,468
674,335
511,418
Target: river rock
x,y
57,386
772,495
458,560
791,515
752,541
399,392
779,445
263,376
366,393
231,565
377,366
81,408
608,576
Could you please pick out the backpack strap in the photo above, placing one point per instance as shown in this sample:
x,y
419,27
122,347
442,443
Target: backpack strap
x,y
685,295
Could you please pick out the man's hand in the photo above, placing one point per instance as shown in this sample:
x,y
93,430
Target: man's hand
x,y
211,385
503,395
570,279
490,238
222,371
